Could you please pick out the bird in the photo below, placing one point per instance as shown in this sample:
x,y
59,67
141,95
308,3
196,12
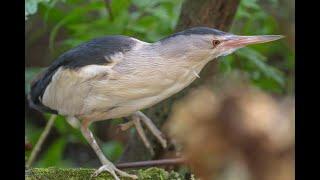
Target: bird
x,y
118,76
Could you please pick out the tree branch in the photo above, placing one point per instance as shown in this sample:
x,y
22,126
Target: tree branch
x,y
42,138
161,162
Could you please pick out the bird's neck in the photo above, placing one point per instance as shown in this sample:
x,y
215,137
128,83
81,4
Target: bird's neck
x,y
176,61
181,54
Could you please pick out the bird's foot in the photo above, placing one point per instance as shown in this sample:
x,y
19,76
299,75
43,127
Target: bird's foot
x,y
113,170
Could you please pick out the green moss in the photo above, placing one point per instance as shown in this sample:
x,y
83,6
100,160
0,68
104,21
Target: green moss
x,y
83,173
158,173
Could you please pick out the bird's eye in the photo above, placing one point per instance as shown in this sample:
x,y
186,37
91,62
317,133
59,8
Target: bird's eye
x,y
215,43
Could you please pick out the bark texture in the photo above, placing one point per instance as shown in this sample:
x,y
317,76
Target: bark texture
x,y
211,13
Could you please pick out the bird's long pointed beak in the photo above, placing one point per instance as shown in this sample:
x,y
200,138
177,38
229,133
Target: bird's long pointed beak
x,y
235,41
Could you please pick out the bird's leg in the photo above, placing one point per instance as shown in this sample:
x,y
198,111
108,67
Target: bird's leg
x,y
126,126
154,130
107,165
136,121
137,117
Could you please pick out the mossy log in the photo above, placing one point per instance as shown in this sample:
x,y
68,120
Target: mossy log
x,y
54,173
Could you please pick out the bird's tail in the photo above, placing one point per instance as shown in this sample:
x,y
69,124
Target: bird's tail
x,y
36,90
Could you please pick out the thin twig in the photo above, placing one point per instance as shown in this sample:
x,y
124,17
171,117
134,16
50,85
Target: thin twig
x,y
39,143
161,162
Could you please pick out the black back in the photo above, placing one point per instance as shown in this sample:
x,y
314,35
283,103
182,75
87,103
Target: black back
x,y
93,52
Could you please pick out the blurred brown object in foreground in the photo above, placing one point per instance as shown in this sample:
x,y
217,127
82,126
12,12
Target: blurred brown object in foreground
x,y
235,133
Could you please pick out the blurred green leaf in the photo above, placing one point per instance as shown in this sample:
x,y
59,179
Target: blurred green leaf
x,y
226,64
67,131
257,60
143,3
33,132
53,156
251,4
119,6
112,149
71,18
61,124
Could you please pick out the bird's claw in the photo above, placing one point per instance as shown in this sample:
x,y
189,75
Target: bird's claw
x,y
112,170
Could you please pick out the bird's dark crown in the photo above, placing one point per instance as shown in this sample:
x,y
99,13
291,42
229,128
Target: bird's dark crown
x,y
196,30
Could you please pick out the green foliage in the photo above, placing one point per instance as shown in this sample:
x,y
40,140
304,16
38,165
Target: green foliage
x,y
144,19
112,149
252,19
53,156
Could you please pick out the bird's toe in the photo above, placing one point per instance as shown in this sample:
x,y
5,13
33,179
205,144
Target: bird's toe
x,y
112,170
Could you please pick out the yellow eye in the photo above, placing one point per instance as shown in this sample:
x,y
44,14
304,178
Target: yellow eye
x,y
215,43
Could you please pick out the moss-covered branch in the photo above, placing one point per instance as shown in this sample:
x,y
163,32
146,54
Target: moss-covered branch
x,y
85,174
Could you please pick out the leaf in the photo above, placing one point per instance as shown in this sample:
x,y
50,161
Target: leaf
x,y
226,64
67,131
143,3
268,84
53,156
251,54
119,6
258,60
33,132
112,149
72,17
61,124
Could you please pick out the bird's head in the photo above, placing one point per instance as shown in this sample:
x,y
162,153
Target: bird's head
x,y
204,44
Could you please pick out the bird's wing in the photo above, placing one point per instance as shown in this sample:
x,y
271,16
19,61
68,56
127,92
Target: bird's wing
x,y
95,52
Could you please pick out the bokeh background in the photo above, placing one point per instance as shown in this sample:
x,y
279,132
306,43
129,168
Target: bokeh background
x,y
54,26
